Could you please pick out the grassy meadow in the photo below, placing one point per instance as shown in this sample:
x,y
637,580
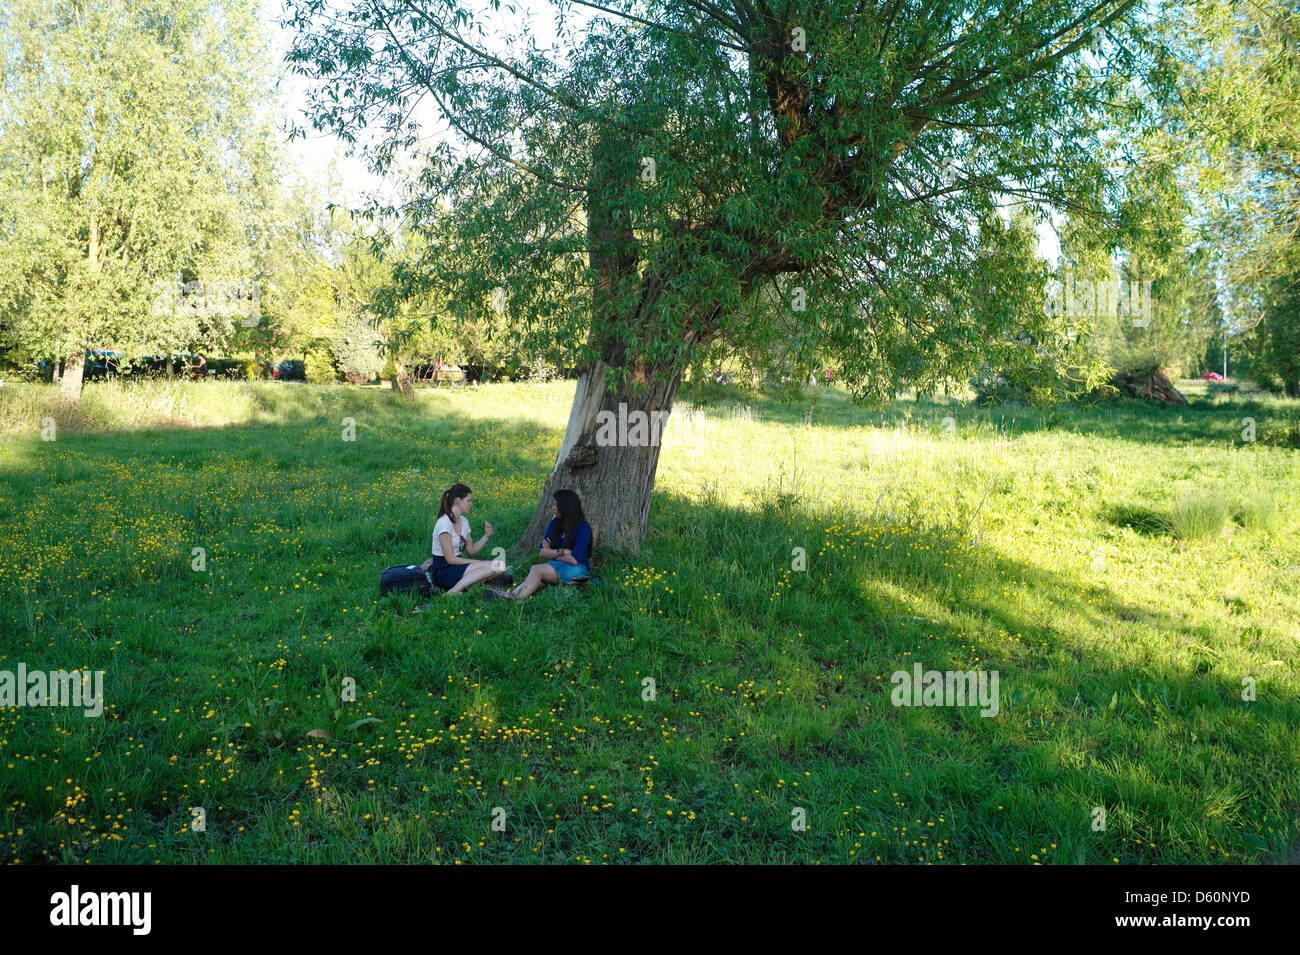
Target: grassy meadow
x,y
1129,570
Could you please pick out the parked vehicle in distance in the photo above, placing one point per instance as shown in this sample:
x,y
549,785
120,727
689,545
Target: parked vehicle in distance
x,y
1212,376
290,369
100,363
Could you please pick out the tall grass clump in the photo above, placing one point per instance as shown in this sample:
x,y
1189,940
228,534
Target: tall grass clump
x,y
1258,512
1198,515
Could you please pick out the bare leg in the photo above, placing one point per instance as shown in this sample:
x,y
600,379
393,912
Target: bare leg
x,y
476,571
540,574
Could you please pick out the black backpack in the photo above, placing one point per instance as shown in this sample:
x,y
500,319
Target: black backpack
x,y
404,578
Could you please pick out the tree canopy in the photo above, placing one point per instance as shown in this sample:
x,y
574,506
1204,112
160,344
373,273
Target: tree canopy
x,y
853,155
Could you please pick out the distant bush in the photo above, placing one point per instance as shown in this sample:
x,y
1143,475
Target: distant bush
x,y
356,353
1038,387
996,389
320,368
541,371
290,369
231,368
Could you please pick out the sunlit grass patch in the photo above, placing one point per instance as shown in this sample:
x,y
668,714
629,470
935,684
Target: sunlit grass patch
x,y
1257,512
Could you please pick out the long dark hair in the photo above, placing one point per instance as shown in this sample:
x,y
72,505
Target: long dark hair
x,y
450,497
571,516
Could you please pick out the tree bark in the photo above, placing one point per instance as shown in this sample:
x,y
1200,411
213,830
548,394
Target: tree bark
x,y
74,366
613,480
1152,384
1292,388
73,369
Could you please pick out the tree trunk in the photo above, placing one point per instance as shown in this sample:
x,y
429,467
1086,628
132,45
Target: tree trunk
x,y
74,365
613,479
73,368
401,380
1293,389
169,367
1151,384
611,445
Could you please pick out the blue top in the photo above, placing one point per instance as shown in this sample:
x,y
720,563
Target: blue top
x,y
581,546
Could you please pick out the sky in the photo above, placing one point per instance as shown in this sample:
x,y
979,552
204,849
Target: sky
x,y
313,155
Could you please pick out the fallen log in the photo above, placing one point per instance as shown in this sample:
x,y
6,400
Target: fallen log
x,y
1154,384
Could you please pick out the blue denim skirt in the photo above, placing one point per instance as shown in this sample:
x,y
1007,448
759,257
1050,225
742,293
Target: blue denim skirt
x,y
566,572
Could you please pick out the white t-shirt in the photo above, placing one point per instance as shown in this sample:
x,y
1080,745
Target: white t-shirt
x,y
458,541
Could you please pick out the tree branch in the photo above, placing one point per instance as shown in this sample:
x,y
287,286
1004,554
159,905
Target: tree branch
x,y
704,7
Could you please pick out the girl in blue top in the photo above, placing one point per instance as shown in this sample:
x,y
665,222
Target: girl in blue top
x,y
566,546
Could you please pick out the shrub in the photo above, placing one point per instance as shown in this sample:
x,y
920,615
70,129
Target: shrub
x,y
355,352
232,368
320,368
291,369
540,370
1281,434
995,389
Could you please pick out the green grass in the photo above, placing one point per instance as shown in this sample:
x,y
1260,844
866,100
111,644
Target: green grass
x,y
1258,512
1032,543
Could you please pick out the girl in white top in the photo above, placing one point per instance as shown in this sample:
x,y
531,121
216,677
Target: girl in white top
x,y
452,539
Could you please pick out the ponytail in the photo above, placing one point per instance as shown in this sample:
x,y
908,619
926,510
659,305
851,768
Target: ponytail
x,y
450,497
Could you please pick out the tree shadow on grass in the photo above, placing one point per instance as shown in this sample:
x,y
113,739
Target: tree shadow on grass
x,y
1101,695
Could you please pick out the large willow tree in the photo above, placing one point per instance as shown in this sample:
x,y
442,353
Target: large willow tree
x,y
684,164
134,145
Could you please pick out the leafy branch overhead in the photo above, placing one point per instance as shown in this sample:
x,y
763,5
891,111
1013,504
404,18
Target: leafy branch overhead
x,y
690,156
